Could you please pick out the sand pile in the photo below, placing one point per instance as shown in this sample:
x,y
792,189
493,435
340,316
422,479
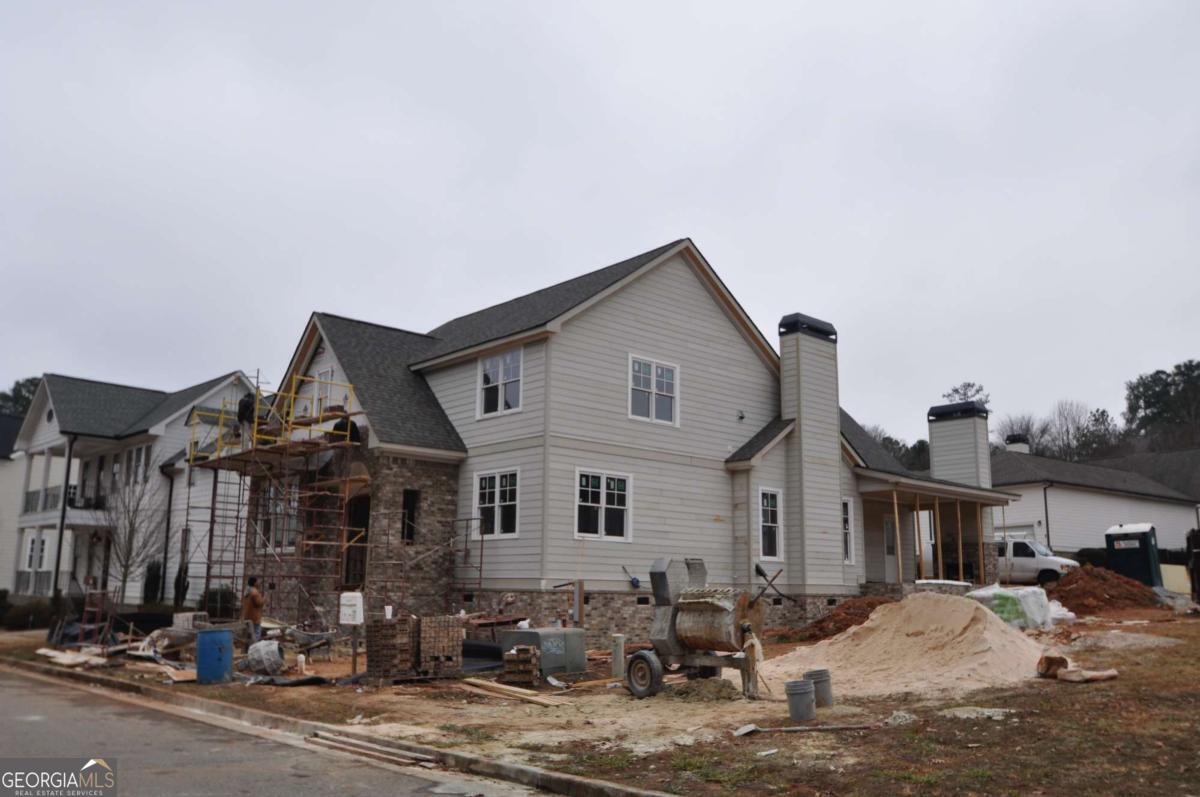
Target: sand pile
x,y
1087,590
927,644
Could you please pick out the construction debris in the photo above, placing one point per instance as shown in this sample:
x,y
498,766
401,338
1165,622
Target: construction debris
x,y
502,690
747,730
1075,675
1089,590
846,615
522,666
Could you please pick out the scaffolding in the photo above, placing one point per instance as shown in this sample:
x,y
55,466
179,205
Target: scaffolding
x,y
290,504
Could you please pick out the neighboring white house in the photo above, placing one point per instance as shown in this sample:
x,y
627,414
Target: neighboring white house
x,y
113,440
1069,505
10,498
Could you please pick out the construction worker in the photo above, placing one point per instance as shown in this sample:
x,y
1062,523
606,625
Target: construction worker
x,y
252,606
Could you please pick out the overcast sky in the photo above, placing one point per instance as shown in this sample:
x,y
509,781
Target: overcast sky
x,y
1000,192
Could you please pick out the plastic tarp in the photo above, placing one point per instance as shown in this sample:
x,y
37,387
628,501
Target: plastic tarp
x,y
1023,607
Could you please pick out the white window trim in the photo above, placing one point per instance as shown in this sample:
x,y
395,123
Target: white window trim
x,y
475,477
779,526
602,537
629,390
849,502
479,414
324,390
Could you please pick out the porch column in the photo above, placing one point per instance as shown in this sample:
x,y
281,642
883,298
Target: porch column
x,y
958,532
45,479
937,524
28,473
62,511
899,549
920,538
979,533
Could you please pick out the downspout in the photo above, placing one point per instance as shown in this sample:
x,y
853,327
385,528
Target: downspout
x,y
1046,511
62,512
162,581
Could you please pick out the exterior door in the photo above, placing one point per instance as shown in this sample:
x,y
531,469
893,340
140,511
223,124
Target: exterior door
x,y
890,573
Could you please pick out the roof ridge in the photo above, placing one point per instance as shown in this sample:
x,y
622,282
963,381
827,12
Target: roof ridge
x,y
374,324
560,283
110,384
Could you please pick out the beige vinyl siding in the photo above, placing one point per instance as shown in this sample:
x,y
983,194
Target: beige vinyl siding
x,y
873,514
771,474
509,562
12,476
680,509
817,484
959,452
853,573
1079,517
666,315
457,390
743,520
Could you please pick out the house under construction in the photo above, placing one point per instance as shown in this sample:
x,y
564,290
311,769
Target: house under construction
x,y
311,513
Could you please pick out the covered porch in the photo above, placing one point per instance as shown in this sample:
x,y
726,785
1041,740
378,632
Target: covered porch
x,y
904,517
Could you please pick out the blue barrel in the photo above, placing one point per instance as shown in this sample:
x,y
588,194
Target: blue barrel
x,y
214,656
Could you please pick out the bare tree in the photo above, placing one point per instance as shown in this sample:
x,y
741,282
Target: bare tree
x,y
1068,421
134,510
1035,430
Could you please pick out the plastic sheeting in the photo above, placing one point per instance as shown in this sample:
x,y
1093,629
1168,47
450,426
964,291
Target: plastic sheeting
x,y
1023,607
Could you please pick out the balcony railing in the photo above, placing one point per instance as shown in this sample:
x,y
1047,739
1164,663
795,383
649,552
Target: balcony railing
x,y
53,495
32,501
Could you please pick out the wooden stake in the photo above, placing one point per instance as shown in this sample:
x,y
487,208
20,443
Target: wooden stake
x,y
958,530
920,539
979,532
937,525
899,550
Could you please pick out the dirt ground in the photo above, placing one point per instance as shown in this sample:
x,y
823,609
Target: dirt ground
x,y
1139,734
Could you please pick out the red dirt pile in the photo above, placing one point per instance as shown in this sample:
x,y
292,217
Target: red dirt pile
x,y
1090,590
847,614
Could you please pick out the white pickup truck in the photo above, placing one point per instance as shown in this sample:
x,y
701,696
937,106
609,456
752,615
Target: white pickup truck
x,y
1030,562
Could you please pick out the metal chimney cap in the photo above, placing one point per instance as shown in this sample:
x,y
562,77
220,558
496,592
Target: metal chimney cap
x,y
1012,439
798,322
961,409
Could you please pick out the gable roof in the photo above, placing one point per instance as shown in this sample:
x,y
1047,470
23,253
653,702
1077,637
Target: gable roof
x,y
1179,470
103,409
762,440
869,450
535,309
399,402
1011,467
9,426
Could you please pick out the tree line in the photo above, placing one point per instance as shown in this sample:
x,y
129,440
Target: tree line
x,y
1162,413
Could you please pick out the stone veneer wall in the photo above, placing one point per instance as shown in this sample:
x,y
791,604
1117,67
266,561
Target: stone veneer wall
x,y
608,613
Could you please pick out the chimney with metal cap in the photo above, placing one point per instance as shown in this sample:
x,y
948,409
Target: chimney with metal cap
x,y
809,394
958,443
1017,443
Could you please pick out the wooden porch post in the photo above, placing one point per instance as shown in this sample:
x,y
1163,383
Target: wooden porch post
x,y
899,550
979,529
920,549
937,525
958,531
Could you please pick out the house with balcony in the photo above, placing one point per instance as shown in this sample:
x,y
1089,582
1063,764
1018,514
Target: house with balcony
x,y
10,498
105,488
560,442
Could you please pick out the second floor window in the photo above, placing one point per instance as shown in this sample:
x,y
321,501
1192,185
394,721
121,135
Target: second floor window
x,y
500,383
497,503
653,390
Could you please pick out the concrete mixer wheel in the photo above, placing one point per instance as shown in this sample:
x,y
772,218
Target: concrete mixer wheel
x,y
644,674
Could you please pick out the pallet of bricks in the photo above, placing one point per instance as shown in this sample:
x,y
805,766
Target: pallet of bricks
x,y
391,649
522,666
439,651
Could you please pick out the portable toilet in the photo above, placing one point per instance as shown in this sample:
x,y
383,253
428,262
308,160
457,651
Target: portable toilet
x,y
1133,552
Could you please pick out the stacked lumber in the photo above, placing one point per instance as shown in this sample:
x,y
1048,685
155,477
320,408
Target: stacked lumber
x,y
440,646
493,689
391,648
522,666
65,658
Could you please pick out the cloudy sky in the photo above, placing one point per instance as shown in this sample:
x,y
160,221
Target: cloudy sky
x,y
1000,192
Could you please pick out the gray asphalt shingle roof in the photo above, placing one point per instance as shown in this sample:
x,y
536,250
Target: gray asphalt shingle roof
x,y
533,309
9,426
103,409
1010,467
399,402
1179,470
871,452
760,440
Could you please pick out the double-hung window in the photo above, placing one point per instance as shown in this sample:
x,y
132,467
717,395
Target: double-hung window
x,y
847,531
768,524
500,383
496,499
602,508
324,390
653,390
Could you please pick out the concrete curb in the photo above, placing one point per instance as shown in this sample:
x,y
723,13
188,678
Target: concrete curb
x,y
524,774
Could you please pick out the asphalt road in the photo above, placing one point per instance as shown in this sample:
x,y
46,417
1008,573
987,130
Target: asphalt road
x,y
160,754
